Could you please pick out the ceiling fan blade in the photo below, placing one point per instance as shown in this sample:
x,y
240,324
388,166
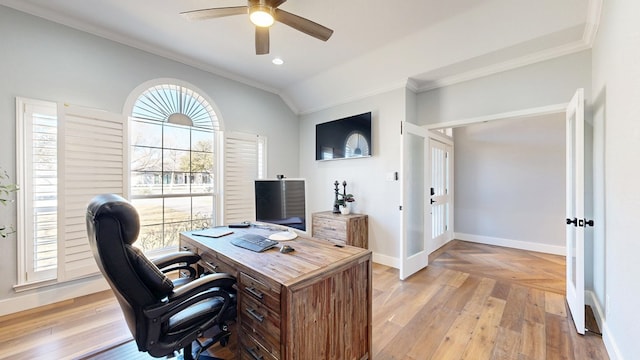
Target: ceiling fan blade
x,y
215,13
275,3
262,40
301,24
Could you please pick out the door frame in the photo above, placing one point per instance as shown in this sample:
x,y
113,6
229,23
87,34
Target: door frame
x,y
518,114
559,109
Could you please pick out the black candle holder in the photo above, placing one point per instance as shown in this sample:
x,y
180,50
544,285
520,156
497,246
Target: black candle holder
x,y
336,205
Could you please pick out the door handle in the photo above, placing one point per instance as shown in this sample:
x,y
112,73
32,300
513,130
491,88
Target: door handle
x,y
574,221
432,201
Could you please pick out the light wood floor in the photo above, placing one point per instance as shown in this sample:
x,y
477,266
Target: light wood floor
x,y
472,302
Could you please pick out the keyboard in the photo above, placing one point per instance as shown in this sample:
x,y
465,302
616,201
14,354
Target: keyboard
x,y
254,242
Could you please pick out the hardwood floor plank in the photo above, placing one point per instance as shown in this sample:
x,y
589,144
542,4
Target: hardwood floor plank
x,y
513,315
534,307
476,303
456,339
555,304
507,344
533,345
482,341
557,337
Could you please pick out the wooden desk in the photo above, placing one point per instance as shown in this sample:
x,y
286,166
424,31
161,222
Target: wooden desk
x,y
313,303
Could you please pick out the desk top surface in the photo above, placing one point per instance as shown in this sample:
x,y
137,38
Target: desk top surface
x,y
310,258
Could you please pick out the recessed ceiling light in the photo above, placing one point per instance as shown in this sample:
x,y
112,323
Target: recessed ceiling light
x,y
277,61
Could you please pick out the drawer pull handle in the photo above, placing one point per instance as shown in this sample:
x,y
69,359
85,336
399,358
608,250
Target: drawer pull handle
x,y
212,266
255,292
254,354
255,315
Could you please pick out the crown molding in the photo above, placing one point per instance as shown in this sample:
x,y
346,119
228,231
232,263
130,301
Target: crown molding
x,y
594,12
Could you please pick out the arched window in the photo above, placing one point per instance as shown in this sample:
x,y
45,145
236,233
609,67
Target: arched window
x,y
356,145
173,137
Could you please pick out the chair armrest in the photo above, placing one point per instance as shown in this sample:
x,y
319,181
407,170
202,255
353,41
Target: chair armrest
x,y
213,285
175,258
218,280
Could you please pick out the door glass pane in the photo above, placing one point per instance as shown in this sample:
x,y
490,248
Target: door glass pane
x,y
572,205
414,206
439,184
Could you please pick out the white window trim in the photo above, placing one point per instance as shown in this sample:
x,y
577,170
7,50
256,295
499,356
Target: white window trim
x,y
26,276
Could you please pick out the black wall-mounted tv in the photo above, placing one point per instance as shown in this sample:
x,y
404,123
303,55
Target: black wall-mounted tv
x,y
344,138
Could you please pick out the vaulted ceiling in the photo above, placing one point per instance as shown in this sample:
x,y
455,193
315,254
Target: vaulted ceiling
x,y
377,45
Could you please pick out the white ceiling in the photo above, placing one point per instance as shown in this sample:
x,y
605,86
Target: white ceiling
x,y
377,45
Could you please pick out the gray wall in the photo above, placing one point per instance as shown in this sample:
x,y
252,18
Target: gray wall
x,y
510,179
47,61
616,94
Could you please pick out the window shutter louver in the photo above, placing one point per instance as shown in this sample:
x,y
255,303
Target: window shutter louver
x,y
244,161
92,159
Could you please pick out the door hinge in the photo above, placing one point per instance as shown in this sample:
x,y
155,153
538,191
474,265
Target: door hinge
x,y
400,207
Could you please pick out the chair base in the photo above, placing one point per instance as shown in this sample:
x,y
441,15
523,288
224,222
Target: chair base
x,y
198,351
193,355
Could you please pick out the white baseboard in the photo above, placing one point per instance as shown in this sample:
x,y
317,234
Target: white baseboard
x,y
598,311
390,261
516,244
52,294
610,344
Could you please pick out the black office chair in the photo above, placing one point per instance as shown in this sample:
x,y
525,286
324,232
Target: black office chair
x,y
164,316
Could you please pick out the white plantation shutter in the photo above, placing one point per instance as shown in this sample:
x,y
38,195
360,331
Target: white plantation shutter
x,y
92,158
37,159
244,161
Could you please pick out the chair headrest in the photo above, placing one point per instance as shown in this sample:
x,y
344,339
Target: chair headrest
x,y
118,208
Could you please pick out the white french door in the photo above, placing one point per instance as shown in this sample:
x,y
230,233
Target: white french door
x,y
440,193
575,210
415,221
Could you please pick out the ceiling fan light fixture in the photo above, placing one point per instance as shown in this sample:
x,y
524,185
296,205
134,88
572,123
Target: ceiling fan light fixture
x,y
261,15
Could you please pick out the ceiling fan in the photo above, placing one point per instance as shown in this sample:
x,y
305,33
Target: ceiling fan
x,y
263,13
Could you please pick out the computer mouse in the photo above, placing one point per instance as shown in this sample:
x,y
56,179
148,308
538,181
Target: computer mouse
x,y
286,249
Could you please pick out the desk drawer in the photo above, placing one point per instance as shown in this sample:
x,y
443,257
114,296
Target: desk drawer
x,y
212,263
261,290
251,349
261,323
188,246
